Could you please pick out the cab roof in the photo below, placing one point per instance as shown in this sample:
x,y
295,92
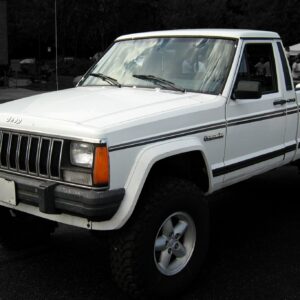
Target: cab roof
x,y
221,33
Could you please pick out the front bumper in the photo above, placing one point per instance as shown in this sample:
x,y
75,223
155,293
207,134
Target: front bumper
x,y
56,198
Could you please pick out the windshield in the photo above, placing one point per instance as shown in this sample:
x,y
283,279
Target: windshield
x,y
194,64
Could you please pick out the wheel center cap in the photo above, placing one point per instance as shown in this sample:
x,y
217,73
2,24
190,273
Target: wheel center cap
x,y
172,243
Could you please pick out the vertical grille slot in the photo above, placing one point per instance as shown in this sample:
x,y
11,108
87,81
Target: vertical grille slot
x,y
23,153
13,151
33,152
4,145
55,158
8,149
44,156
34,155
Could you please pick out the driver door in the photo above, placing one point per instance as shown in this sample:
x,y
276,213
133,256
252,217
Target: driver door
x,y
255,127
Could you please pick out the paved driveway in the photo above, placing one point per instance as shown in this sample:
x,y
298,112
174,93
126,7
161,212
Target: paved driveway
x,y
255,251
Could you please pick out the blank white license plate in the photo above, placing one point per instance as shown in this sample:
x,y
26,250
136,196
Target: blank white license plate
x,y
7,191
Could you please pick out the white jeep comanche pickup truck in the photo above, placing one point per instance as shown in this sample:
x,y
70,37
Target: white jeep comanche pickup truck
x,y
163,119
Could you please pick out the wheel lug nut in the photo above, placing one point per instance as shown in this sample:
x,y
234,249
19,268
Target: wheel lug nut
x,y
176,246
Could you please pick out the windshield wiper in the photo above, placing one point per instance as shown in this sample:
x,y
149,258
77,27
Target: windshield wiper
x,y
110,80
160,81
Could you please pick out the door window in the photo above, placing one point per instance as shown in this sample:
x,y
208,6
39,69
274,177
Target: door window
x,y
258,64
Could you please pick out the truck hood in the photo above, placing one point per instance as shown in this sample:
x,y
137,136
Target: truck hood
x,y
94,106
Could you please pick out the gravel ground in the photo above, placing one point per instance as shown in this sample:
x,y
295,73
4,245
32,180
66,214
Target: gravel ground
x,y
255,249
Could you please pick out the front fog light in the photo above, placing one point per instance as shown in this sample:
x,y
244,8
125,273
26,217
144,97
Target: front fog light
x,y
81,154
77,177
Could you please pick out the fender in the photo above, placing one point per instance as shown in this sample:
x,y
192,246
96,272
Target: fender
x,y
144,161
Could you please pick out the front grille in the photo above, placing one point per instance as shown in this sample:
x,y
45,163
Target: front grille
x,y
31,154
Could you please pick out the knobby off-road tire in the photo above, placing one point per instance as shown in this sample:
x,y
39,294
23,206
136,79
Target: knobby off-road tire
x,y
19,230
161,250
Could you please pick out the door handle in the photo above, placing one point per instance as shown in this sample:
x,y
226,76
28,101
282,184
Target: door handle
x,y
279,102
291,100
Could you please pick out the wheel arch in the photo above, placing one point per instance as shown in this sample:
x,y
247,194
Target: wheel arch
x,y
152,161
190,165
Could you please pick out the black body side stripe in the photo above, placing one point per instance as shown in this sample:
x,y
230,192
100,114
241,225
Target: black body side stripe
x,y
281,111
220,125
256,118
291,112
290,148
252,161
291,108
167,136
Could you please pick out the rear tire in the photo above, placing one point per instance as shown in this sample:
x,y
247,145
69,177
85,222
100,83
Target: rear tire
x,y
162,248
19,230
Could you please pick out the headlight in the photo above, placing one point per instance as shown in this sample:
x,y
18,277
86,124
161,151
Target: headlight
x,y
95,158
82,154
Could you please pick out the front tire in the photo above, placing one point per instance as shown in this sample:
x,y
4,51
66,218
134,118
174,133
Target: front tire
x,y
162,248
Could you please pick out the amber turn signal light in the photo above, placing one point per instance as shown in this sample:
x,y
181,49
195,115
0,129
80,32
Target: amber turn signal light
x,y
101,166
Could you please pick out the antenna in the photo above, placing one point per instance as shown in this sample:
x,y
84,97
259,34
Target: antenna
x,y
56,58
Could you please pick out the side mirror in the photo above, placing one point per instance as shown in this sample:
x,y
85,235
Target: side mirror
x,y
247,89
298,87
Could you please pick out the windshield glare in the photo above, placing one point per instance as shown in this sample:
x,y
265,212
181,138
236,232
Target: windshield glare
x,y
195,64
